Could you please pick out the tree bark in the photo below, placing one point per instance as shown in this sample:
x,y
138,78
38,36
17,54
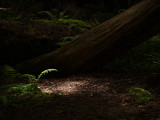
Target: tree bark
x,y
102,43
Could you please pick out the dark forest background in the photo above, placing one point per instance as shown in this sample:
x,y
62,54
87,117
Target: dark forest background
x,y
88,9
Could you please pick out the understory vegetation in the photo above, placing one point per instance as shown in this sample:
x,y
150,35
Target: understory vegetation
x,y
139,95
144,57
18,88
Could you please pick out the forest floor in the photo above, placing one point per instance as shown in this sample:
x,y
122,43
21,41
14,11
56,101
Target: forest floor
x,y
97,96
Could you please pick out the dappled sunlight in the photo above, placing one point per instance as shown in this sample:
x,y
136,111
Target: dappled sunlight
x,y
76,85
62,87
4,8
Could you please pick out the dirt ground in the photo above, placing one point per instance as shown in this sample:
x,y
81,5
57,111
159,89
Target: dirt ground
x,y
92,97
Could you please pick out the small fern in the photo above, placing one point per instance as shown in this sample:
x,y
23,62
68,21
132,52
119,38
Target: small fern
x,y
46,72
141,94
63,43
16,94
23,89
74,22
30,78
46,15
3,101
153,58
13,94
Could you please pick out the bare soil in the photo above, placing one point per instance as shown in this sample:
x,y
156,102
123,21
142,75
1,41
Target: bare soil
x,y
92,97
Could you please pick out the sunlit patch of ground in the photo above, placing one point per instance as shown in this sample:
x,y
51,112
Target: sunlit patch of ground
x,y
63,87
5,8
74,85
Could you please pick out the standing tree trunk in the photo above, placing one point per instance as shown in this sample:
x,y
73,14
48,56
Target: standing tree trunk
x,y
102,43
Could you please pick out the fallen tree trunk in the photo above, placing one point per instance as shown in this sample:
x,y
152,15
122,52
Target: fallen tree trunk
x,y
101,43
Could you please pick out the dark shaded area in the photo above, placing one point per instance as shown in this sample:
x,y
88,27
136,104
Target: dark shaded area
x,y
21,41
86,9
57,3
102,43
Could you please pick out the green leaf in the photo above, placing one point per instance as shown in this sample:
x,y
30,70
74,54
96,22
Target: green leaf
x,y
46,72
